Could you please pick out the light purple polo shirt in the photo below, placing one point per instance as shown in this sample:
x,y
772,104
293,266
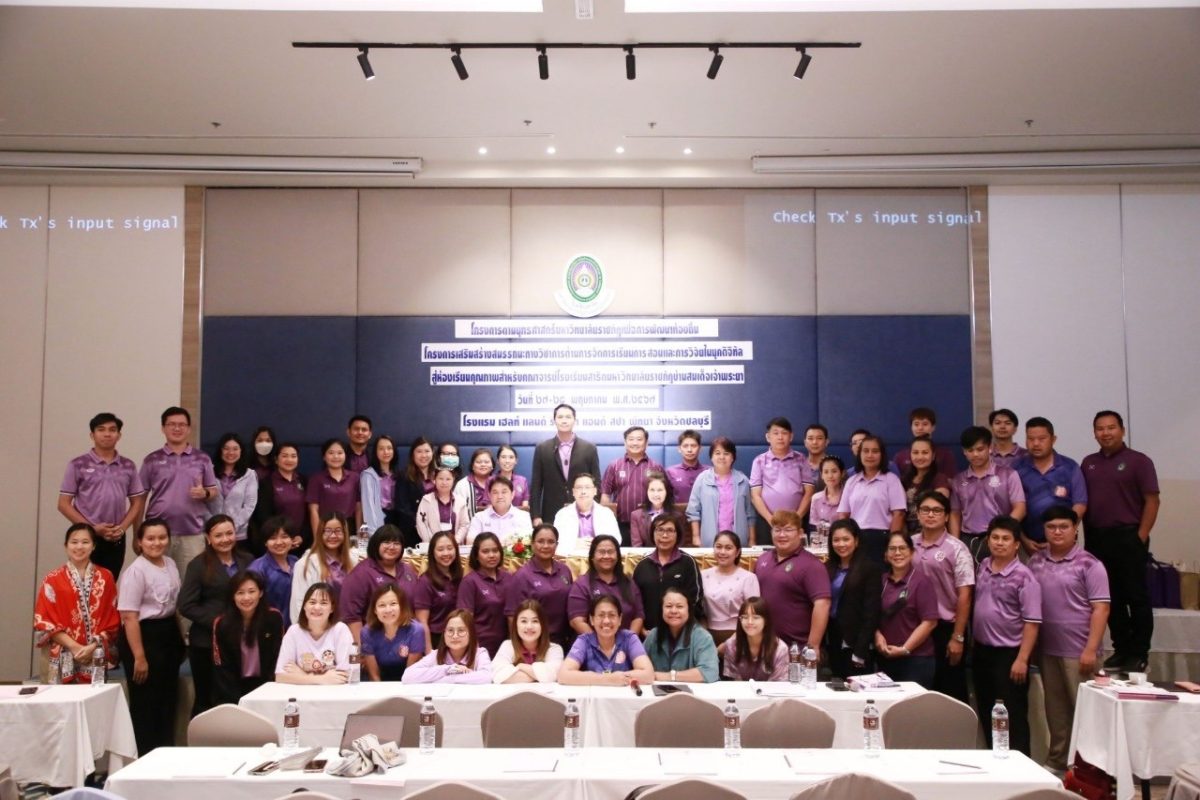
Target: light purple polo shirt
x,y
981,497
1010,459
948,565
149,590
683,478
625,482
438,602
1069,587
920,605
168,477
822,510
782,480
870,502
101,489
1117,487
1004,602
548,588
288,497
333,495
484,597
789,586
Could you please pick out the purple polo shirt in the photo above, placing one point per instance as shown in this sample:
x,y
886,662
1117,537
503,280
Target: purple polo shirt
x,y
821,510
484,597
101,490
169,477
682,478
1061,485
288,497
358,462
979,498
789,586
625,482
948,565
587,654
438,602
548,588
587,586
333,495
870,502
1011,458
920,605
1004,602
782,480
1117,485
1070,585
943,455
363,580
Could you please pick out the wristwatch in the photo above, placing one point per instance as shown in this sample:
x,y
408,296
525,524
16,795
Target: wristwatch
x,y
958,637
906,651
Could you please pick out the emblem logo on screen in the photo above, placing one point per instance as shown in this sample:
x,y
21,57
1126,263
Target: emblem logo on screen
x,y
584,293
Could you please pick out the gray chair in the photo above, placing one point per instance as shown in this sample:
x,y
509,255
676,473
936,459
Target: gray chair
x,y
680,720
930,721
523,719
689,789
88,793
410,710
1045,794
1185,783
788,723
8,785
854,786
452,790
307,794
231,726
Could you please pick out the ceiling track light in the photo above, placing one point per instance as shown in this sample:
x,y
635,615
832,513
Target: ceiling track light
x,y
630,64
715,66
459,66
365,63
543,64
802,67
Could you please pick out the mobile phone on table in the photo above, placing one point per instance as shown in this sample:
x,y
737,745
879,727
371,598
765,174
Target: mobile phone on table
x,y
265,768
316,765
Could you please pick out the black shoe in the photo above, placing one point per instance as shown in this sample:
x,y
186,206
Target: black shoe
x,y
1115,661
1136,664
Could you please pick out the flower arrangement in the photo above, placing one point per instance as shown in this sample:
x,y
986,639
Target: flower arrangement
x,y
518,546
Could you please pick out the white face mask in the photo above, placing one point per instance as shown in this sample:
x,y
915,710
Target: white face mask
x,y
264,448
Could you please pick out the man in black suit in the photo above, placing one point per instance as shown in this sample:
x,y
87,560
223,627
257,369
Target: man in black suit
x,y
556,462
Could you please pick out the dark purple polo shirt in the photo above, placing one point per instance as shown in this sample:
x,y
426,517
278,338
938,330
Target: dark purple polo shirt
x,y
101,490
288,497
438,602
363,580
484,597
920,605
1117,487
588,586
625,482
358,462
548,588
682,478
789,586
331,495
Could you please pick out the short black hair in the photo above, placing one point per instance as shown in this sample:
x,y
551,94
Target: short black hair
x,y
858,431
726,444
816,426
1003,412
973,435
1108,412
936,496
635,429
386,533
360,418
567,406
105,417
1039,422
923,412
176,411
690,434
1007,523
779,422
1060,512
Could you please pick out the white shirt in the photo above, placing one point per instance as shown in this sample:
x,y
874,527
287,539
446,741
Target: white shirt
x,y
545,671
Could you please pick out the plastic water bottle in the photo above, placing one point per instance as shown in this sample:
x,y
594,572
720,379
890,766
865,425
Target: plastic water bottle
x,y
809,680
355,665
872,732
364,539
98,674
999,730
427,733
291,724
794,665
733,730
572,733
55,675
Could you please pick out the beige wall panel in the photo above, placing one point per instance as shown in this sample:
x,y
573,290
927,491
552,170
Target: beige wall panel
x,y
725,252
22,325
280,252
434,252
621,228
114,321
873,267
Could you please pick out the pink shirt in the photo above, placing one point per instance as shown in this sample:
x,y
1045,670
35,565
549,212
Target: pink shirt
x,y
724,595
149,590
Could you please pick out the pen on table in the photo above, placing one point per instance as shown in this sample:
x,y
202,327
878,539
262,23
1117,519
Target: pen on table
x,y
957,764
237,768
757,689
787,760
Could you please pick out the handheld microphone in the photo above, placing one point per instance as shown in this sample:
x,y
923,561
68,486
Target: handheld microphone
x,y
637,689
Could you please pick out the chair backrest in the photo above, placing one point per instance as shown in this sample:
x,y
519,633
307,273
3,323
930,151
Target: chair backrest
x,y
680,720
1185,783
452,790
523,719
88,793
854,786
788,723
930,721
307,794
8,785
411,711
689,789
1045,794
231,726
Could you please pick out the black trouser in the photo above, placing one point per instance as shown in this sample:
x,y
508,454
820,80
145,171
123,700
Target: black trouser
x,y
977,544
992,682
873,543
762,531
839,657
110,555
152,702
949,679
626,537
200,659
1124,554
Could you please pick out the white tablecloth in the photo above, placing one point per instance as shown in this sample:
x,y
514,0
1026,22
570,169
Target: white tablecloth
x,y
61,734
1146,738
595,774
608,712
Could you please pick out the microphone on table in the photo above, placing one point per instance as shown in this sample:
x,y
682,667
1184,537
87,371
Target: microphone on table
x,y
637,689
757,689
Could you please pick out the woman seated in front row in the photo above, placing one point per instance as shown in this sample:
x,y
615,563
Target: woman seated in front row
x,y
754,653
679,649
528,655
458,659
392,641
315,649
246,639
608,655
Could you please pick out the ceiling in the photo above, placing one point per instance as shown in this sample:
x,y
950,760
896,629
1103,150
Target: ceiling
x,y
187,81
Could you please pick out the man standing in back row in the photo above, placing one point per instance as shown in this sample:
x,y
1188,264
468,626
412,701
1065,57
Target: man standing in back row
x,y
1122,506
556,462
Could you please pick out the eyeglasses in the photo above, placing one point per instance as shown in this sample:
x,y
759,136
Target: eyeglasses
x,y
330,531
935,510
788,529
898,549
608,616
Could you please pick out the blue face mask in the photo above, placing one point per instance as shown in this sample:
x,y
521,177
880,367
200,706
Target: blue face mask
x,y
449,461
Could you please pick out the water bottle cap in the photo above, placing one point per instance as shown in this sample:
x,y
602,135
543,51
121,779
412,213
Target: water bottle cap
x,y
291,699
570,699
429,697
870,701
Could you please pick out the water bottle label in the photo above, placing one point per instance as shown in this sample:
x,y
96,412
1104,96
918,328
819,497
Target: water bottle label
x,y
871,723
571,721
1000,725
733,723
428,719
291,720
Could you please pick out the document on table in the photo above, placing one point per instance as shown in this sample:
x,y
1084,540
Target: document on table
x,y
686,762
535,760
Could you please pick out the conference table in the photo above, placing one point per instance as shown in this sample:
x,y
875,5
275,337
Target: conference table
x,y
608,711
1146,738
61,734
595,773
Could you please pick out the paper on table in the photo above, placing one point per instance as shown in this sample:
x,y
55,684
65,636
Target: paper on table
x,y
535,760
685,762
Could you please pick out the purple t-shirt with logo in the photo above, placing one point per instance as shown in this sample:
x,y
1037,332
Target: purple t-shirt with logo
x,y
548,588
101,490
1004,602
484,597
790,586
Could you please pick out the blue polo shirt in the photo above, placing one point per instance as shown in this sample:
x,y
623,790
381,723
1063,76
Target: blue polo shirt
x,y
1061,485
587,653
279,583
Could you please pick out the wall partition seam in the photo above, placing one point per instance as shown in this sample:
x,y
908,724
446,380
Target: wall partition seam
x,y
37,514
192,341
982,376
1124,306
